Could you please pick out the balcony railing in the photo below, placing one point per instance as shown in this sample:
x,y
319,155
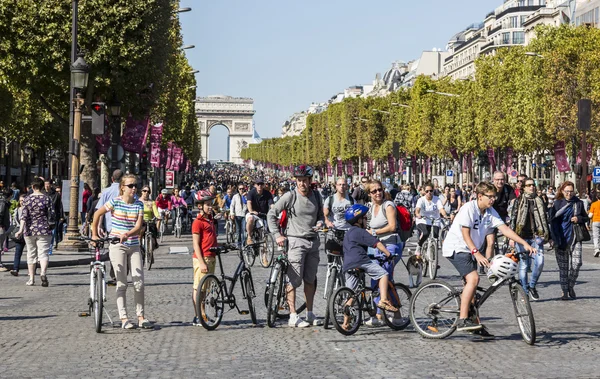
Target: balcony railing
x,y
530,8
494,30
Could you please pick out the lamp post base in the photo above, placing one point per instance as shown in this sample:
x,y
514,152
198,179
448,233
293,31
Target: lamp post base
x,y
69,244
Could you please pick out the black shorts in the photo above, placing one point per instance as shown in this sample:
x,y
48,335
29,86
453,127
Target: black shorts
x,y
464,263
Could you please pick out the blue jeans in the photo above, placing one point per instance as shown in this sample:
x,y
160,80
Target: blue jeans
x,y
18,253
538,262
240,224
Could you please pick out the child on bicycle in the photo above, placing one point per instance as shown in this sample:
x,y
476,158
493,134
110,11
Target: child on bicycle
x,y
356,242
204,237
471,225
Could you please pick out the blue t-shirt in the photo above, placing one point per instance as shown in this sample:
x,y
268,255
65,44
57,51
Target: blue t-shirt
x,y
356,242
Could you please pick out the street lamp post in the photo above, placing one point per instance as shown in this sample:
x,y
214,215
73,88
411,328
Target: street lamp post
x,y
115,135
79,79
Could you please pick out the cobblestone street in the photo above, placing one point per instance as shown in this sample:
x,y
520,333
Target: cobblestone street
x,y
44,337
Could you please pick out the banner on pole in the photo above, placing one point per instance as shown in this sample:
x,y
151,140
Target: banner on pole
x,y
560,156
491,158
391,163
134,135
103,142
156,132
155,155
350,167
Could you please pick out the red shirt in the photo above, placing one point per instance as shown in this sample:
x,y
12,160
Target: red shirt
x,y
204,226
163,202
86,196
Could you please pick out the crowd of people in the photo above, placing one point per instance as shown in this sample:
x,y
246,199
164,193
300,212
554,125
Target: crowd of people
x,y
361,219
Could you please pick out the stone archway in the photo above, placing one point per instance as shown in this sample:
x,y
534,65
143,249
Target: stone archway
x,y
234,113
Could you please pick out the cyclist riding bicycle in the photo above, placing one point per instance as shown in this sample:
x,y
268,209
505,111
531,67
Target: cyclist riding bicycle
x,y
428,207
178,202
259,200
466,235
150,212
304,210
163,203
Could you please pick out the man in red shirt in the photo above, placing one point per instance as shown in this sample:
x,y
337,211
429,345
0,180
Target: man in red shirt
x,y
164,206
204,237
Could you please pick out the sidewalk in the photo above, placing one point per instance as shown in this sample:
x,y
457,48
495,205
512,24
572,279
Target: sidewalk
x,y
57,259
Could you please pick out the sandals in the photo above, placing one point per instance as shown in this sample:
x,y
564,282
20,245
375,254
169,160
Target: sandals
x,y
127,325
387,306
44,280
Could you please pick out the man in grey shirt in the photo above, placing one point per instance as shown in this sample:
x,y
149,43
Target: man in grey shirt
x,y
304,209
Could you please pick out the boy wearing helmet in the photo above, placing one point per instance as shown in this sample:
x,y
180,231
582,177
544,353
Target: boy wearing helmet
x,y
356,242
204,237
471,225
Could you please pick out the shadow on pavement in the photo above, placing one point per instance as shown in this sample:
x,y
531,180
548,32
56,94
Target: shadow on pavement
x,y
15,318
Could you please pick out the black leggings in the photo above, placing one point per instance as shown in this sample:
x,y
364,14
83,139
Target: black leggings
x,y
424,231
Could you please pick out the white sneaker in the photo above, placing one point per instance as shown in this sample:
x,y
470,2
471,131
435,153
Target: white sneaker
x,y
297,322
314,321
374,322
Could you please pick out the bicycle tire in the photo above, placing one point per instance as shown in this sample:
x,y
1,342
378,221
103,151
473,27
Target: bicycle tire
x,y
523,313
228,232
275,293
249,256
402,297
331,279
98,300
428,304
211,296
149,251
162,230
432,260
267,251
338,309
249,291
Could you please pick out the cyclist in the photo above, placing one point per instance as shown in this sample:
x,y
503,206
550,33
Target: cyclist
x,y
204,237
382,224
150,212
227,200
258,201
356,242
163,203
239,210
334,209
304,210
431,207
466,235
178,202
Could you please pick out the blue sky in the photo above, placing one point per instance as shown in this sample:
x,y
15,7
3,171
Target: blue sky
x,y
286,54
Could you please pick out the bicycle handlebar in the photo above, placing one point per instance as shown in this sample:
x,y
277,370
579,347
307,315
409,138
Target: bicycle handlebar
x,y
223,248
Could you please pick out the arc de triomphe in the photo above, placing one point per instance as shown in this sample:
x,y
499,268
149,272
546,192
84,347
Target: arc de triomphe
x,y
234,113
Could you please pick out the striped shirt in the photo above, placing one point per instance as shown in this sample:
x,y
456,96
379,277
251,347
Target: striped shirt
x,y
124,217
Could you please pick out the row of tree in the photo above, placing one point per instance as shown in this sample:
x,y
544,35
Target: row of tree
x,y
134,50
517,99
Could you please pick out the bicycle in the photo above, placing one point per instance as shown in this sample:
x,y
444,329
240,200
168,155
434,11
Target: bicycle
x,y
231,231
334,279
213,293
263,246
347,304
435,307
177,228
147,245
97,280
163,226
189,219
432,246
275,290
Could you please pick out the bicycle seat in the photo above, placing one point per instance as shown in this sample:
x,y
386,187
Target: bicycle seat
x,y
334,253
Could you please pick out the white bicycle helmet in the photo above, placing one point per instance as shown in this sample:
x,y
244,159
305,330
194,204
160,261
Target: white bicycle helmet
x,y
502,267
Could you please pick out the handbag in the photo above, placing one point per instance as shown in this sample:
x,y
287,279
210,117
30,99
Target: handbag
x,y
580,231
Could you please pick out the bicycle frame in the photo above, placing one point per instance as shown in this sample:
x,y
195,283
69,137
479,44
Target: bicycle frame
x,y
228,292
335,261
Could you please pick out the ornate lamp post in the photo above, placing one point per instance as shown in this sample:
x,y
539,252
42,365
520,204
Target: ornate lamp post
x,y
79,79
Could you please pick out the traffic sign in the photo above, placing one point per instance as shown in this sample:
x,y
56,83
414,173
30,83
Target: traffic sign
x,y
596,175
513,173
449,173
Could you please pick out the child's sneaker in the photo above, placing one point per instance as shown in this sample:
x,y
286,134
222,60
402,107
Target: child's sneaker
x,y
296,322
374,322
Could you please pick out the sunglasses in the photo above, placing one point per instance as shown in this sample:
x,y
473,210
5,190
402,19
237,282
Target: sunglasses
x,y
145,190
130,186
428,191
377,190
530,185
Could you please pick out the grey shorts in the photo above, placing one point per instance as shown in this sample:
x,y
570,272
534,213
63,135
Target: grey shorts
x,y
464,263
303,255
373,269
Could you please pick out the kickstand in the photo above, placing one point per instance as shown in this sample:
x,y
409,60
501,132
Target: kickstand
x,y
112,324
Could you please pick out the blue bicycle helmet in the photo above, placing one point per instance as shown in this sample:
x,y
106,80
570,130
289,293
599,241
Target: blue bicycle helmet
x,y
355,213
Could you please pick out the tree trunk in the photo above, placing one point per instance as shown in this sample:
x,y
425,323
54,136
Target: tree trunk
x,y
87,156
104,171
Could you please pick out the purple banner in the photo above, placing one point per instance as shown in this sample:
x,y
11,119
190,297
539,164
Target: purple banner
x,y
414,165
155,154
588,156
340,167
491,158
176,157
329,169
164,155
169,155
509,158
134,135
350,168
428,166
156,132
401,165
391,164
454,153
369,166
560,156
103,142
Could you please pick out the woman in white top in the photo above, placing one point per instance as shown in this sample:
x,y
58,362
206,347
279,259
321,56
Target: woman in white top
x,y
428,207
382,224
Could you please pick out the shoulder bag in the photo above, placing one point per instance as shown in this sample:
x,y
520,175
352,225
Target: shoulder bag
x,y
579,230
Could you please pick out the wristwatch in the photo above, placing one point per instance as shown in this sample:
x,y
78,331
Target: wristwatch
x,y
373,232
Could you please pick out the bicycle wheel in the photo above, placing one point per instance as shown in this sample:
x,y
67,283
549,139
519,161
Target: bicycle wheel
x,y
432,259
434,309
162,230
332,277
345,304
276,296
267,250
98,300
149,251
228,232
209,302
249,255
523,313
249,291
400,297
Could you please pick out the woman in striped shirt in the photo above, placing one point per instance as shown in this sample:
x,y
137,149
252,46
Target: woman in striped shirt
x,y
127,214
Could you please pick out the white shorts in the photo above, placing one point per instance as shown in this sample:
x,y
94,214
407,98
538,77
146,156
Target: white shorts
x,y
161,212
258,222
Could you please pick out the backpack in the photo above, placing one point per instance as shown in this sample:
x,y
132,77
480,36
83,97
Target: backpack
x,y
404,222
330,202
284,215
